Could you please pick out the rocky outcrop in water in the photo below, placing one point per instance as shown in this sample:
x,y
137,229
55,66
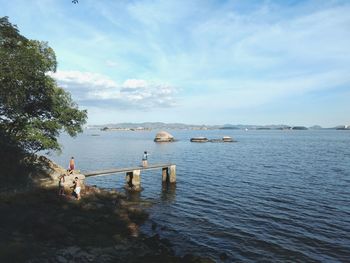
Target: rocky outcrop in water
x,y
199,139
204,139
164,136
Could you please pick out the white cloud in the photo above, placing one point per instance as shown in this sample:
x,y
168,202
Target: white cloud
x,y
134,83
99,90
79,79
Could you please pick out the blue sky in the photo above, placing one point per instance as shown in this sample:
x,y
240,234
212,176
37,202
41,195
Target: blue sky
x,y
200,62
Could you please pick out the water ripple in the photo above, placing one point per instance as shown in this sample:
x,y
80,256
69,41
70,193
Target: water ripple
x,y
274,196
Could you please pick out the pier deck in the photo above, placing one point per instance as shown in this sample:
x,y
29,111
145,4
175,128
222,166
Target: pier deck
x,y
133,174
127,169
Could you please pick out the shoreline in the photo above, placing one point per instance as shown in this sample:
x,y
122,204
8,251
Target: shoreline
x,y
39,226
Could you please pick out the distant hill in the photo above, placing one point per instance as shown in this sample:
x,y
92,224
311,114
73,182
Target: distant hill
x,y
155,126
315,127
182,126
343,127
299,128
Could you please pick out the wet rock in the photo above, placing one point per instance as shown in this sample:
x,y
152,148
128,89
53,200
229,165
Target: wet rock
x,y
89,206
207,260
189,258
133,229
59,231
118,238
71,250
199,139
137,215
223,256
153,242
154,226
61,259
166,242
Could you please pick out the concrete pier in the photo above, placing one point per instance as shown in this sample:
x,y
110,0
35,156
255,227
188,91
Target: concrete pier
x,y
169,176
165,174
133,180
133,174
172,174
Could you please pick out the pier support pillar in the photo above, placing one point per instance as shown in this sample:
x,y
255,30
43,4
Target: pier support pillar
x,y
165,174
172,177
133,180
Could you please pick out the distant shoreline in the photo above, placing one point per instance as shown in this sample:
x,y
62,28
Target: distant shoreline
x,y
148,126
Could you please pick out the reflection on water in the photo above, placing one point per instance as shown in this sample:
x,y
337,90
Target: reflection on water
x,y
168,193
133,196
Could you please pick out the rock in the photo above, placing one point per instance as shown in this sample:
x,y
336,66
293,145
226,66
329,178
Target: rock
x,y
223,256
199,139
59,231
118,238
71,250
133,229
166,242
196,259
61,259
188,258
69,180
227,139
53,171
154,226
89,206
153,241
163,136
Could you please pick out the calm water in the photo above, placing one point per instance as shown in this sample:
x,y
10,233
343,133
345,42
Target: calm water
x,y
272,196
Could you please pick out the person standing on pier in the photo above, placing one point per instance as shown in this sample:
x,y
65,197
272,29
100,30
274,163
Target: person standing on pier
x,y
145,159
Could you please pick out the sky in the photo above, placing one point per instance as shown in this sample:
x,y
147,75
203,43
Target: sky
x,y
197,62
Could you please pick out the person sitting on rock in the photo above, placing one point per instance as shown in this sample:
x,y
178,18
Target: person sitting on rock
x,y
77,188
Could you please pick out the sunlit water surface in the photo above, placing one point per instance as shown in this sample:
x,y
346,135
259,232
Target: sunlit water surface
x,y
272,196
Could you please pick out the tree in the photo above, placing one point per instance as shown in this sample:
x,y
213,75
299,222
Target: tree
x,y
33,109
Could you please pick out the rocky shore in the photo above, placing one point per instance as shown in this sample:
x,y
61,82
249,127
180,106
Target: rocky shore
x,y
39,226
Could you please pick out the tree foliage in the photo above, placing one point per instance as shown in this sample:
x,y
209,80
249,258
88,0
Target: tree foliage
x,y
33,109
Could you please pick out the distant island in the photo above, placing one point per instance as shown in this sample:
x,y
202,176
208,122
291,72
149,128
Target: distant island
x,y
146,126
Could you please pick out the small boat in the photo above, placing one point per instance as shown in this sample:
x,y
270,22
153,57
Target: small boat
x,y
199,139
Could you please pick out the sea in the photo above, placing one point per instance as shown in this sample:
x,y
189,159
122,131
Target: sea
x,y
271,196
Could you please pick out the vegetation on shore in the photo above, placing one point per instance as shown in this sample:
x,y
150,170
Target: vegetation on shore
x,y
33,109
